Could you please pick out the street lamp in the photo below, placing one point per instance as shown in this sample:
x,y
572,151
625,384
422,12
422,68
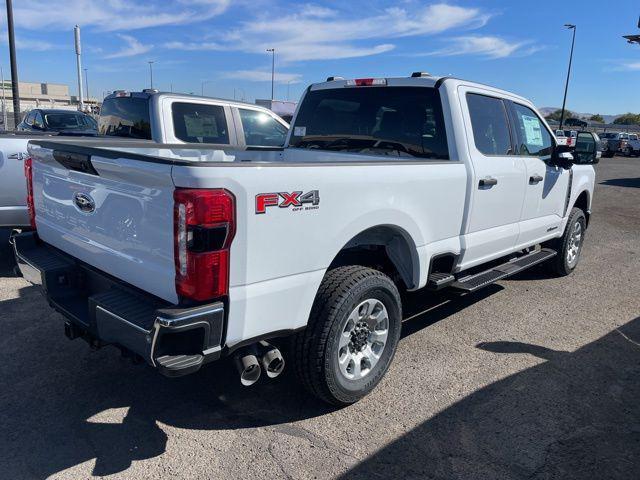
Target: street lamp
x,y
14,66
203,84
273,68
151,62
566,85
86,83
633,38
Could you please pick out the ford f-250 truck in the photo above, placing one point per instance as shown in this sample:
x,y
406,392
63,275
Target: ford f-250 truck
x,y
149,115
181,255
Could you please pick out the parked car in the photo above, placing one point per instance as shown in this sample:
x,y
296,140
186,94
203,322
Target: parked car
x,y
561,138
571,137
614,142
195,252
58,121
149,115
632,147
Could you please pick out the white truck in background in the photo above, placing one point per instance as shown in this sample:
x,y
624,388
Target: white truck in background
x,y
182,255
167,118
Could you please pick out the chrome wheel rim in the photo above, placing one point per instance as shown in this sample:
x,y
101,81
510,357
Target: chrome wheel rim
x,y
575,243
363,338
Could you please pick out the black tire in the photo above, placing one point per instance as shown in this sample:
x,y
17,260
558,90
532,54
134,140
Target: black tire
x,y
560,264
316,348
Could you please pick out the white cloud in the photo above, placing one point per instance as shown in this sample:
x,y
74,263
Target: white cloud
x,y
133,47
629,66
263,76
28,44
113,15
193,46
319,33
486,46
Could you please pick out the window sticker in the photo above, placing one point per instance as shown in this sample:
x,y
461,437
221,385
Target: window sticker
x,y
299,131
532,130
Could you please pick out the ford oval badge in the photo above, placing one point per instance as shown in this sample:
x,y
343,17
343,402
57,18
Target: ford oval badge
x,y
84,202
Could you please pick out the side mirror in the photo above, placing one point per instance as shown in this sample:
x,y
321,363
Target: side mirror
x,y
588,149
563,156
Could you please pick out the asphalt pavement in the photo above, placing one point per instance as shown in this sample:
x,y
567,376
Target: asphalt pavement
x,y
534,377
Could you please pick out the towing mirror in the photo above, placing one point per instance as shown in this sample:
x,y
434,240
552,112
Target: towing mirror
x,y
563,156
588,149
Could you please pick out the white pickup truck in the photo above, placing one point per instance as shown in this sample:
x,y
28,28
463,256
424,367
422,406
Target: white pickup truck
x,y
181,255
148,115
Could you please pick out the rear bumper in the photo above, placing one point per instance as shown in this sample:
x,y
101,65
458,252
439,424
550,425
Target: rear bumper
x,y
14,216
106,311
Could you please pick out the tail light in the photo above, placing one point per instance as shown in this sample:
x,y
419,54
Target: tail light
x,y
28,173
204,226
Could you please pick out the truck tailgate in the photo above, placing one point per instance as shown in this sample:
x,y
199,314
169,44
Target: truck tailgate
x,y
115,214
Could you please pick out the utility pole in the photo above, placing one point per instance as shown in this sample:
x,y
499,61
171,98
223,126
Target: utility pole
x,y
566,85
14,66
86,82
76,34
151,62
273,68
4,103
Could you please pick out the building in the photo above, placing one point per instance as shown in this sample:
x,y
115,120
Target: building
x,y
39,95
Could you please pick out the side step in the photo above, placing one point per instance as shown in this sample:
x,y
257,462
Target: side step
x,y
471,283
179,365
438,280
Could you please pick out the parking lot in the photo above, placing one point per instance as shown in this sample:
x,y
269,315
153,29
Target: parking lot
x,y
535,377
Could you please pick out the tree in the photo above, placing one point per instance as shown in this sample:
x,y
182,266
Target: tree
x,y
558,113
628,119
596,118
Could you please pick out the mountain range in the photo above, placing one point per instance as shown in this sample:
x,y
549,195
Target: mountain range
x,y
607,118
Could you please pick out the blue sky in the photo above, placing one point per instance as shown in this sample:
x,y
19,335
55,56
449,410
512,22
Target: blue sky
x,y
518,45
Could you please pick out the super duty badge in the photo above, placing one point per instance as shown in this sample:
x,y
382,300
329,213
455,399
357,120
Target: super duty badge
x,y
295,200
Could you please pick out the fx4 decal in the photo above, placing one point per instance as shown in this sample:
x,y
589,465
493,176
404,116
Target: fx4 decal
x,y
297,200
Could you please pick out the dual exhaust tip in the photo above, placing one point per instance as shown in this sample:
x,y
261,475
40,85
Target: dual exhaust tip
x,y
255,358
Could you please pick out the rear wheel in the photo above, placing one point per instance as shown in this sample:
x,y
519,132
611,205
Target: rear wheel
x,y
569,246
352,335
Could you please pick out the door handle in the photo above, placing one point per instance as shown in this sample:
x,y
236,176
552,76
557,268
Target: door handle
x,y
17,156
488,182
533,179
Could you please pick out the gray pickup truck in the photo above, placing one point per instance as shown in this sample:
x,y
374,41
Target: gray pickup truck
x,y
167,118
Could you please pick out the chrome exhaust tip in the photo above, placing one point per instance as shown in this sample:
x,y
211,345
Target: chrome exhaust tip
x,y
248,368
271,359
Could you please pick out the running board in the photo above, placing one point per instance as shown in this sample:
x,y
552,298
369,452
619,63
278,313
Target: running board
x,y
471,283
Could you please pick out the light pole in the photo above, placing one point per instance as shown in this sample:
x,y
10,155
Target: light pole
x,y
566,85
4,103
76,35
204,82
86,82
273,68
14,66
151,62
633,38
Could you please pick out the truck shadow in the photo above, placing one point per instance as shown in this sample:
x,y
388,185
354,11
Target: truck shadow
x,y
623,182
7,263
576,415
66,405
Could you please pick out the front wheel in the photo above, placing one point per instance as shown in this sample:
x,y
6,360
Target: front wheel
x,y
352,335
569,246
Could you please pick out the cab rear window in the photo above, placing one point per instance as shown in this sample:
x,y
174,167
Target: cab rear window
x,y
199,123
400,122
125,117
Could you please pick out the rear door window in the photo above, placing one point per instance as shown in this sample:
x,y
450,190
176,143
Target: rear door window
x,y
125,117
261,129
199,123
490,125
